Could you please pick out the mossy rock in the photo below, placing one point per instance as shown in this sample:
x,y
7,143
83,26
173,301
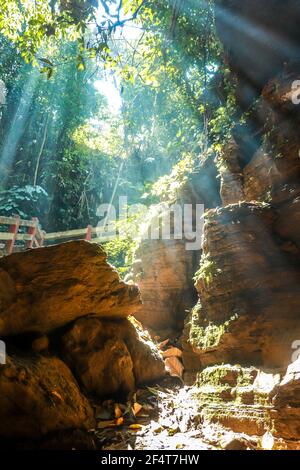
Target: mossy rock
x,y
209,336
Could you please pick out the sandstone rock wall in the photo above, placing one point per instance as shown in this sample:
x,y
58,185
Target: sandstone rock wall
x,y
272,172
253,402
164,269
248,281
164,272
248,285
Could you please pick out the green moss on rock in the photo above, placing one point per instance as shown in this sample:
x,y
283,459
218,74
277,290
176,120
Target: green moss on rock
x,y
207,336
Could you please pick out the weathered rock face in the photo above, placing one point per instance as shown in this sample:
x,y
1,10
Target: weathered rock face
x,y
110,357
49,287
164,271
286,414
248,286
260,176
272,171
237,397
249,276
40,395
45,290
253,401
232,175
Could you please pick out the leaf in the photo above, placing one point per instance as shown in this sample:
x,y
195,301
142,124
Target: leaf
x,y
136,427
172,352
136,408
173,431
106,424
163,344
80,63
46,61
81,67
119,421
49,73
174,367
118,411
153,391
158,430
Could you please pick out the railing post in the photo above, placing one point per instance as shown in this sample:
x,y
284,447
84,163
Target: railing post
x,y
32,231
88,236
42,239
14,230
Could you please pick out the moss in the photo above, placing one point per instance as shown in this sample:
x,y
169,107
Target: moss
x,y
209,336
226,374
227,395
206,269
212,375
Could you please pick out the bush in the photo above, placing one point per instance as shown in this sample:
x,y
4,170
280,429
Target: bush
x,y
27,202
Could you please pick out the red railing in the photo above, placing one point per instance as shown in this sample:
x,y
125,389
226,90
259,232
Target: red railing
x,y
23,234
30,235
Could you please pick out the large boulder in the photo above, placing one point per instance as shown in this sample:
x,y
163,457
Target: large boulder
x,y
110,357
47,288
39,395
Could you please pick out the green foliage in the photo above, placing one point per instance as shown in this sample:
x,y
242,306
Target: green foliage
x,y
120,253
207,270
168,187
120,250
65,136
33,25
27,202
41,26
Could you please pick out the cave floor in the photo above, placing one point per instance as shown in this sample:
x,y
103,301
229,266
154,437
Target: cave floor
x,y
169,420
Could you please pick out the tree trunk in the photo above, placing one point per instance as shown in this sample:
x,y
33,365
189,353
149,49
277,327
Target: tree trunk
x,y
38,162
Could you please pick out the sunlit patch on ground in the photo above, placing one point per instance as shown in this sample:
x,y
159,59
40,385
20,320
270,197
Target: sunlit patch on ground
x,y
168,419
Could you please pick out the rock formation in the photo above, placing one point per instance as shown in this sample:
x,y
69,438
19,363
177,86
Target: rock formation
x,y
71,293
39,395
164,269
110,356
46,288
164,272
248,285
247,314
253,401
